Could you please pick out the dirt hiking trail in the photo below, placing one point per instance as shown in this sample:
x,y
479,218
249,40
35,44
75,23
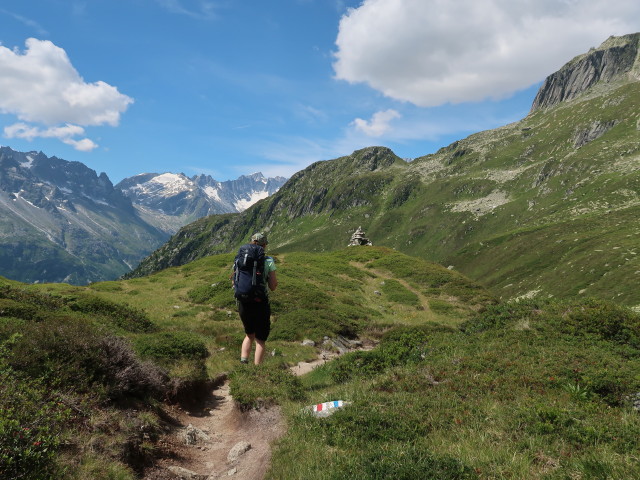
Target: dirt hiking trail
x,y
219,441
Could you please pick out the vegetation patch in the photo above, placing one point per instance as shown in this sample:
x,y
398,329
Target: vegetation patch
x,y
169,346
256,386
398,293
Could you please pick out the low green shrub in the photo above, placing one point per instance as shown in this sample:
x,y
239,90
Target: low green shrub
x,y
219,294
398,293
31,421
502,315
72,352
581,318
123,316
170,346
441,306
12,308
41,300
253,386
597,317
314,324
399,346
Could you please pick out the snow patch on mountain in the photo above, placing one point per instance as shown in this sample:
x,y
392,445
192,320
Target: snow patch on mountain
x,y
28,163
212,193
243,203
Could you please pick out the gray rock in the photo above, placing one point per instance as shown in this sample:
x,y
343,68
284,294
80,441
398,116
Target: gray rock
x,y
308,343
192,435
596,130
615,58
238,450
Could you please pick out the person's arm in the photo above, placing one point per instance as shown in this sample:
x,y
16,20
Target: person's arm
x,y
272,280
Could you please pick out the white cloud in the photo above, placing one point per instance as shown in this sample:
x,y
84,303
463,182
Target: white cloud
x,y
65,134
378,125
431,52
41,86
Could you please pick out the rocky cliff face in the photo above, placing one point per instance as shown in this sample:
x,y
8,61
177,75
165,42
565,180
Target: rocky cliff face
x,y
617,58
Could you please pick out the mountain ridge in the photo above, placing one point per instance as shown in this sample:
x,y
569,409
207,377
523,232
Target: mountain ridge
x,y
171,200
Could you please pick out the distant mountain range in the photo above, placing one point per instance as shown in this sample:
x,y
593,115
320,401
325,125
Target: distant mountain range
x,y
61,222
168,200
547,206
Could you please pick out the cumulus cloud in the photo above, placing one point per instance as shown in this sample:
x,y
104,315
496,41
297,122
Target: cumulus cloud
x,y
378,125
41,86
432,52
64,134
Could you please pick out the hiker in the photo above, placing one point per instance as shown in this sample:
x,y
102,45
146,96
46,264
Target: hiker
x,y
253,272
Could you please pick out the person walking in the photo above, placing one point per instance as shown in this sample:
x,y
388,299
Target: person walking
x,y
255,312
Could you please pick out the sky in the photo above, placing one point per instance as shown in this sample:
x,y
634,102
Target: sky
x,y
232,87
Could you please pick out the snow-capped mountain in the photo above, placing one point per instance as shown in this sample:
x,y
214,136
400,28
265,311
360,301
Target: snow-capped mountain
x,y
61,222
171,200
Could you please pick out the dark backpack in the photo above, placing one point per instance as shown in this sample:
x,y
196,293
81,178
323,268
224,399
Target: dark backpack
x,y
249,282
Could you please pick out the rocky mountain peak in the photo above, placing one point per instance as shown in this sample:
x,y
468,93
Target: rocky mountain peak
x,y
617,59
374,158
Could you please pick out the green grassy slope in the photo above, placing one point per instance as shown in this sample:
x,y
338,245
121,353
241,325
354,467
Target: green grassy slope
x,y
530,390
457,387
84,369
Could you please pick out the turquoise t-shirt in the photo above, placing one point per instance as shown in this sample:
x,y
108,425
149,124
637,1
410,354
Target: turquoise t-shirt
x,y
269,266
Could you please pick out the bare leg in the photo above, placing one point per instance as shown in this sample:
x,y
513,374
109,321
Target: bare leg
x,y
246,345
259,351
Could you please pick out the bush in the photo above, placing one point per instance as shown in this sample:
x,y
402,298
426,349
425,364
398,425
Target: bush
x,y
73,353
399,346
501,315
597,317
219,293
253,386
128,318
397,293
314,324
40,300
441,306
170,346
30,426
11,308
587,317
126,376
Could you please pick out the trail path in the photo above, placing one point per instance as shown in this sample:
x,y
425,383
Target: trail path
x,y
216,430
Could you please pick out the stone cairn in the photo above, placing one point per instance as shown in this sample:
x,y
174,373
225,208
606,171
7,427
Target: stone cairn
x,y
358,238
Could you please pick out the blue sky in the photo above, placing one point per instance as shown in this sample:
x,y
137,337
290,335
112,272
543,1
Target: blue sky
x,y
230,87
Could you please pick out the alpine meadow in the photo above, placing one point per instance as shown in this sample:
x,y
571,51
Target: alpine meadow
x,y
492,331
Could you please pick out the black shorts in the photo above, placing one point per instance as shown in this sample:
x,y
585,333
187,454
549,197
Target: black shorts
x,y
256,318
